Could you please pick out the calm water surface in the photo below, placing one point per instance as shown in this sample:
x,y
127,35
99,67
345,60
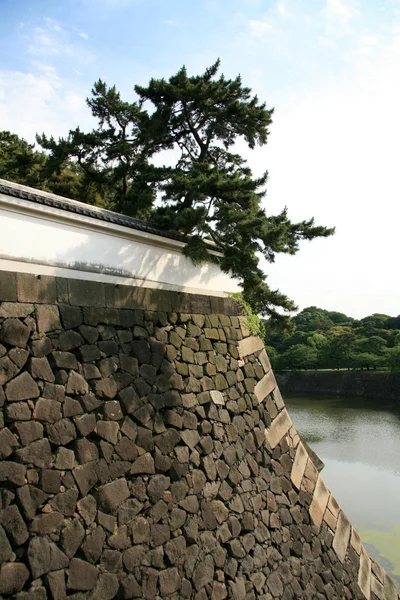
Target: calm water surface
x,y
360,446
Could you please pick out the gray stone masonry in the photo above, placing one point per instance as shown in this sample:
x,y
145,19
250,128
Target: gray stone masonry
x,y
145,452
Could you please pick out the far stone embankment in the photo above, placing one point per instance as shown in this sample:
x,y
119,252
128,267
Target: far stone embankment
x,y
373,385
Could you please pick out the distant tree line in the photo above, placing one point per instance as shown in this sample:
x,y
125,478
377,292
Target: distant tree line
x,y
323,339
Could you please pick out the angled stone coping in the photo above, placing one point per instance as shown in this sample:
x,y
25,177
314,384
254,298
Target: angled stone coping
x,y
250,345
279,428
265,386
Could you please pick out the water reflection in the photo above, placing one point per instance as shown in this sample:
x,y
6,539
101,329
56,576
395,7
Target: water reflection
x,y
360,446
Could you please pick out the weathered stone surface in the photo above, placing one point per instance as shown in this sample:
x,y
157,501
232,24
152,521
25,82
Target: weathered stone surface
x,y
65,502
5,548
279,427
13,577
44,556
14,525
76,384
8,287
106,587
299,466
203,573
86,477
319,502
92,547
15,310
39,289
265,386
112,410
48,411
64,360
112,495
40,369
56,585
12,472
364,574
250,345
8,443
47,523
105,388
81,575
14,333
170,581
38,453
22,387
61,433
30,498
8,369
342,536
19,356
48,318
143,464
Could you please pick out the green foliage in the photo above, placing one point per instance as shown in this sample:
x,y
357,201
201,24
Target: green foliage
x,y
209,192
336,340
113,158
253,322
19,161
299,356
393,357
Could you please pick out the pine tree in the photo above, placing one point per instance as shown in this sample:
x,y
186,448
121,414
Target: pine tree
x,y
209,193
111,157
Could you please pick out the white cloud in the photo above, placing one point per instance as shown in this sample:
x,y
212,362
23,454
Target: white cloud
x,y
40,101
366,44
259,28
51,41
282,7
340,13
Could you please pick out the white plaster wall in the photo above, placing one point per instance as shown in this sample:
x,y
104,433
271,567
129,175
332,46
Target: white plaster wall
x,y
54,239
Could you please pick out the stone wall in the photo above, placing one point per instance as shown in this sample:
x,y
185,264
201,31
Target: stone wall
x,y
146,452
363,384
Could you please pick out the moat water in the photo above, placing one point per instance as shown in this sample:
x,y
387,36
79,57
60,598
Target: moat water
x,y
359,442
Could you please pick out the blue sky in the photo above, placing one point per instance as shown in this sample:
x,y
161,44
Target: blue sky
x,y
329,67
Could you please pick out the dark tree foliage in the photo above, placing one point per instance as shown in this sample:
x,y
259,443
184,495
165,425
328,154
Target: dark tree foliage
x,y
209,193
112,157
331,340
19,161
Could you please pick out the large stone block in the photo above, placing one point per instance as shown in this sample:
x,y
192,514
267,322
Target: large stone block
x,y
299,466
17,310
250,345
8,287
22,387
278,428
342,537
319,502
265,386
364,573
48,318
40,289
158,300
86,293
14,333
124,296
180,302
